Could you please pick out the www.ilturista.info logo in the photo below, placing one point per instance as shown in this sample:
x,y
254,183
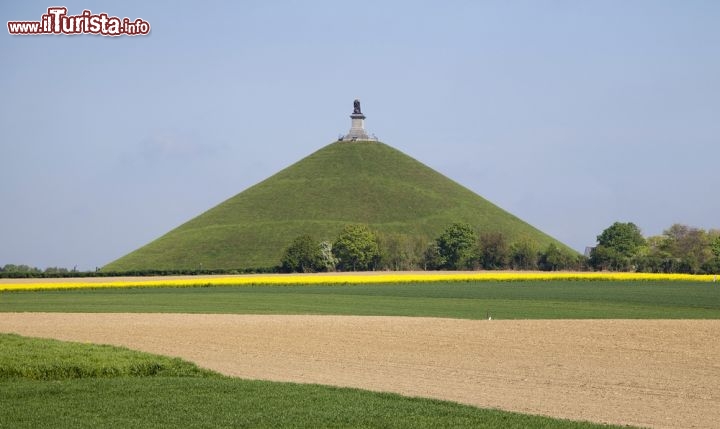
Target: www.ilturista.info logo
x,y
57,21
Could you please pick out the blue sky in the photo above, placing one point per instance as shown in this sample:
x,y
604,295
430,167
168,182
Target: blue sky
x,y
569,114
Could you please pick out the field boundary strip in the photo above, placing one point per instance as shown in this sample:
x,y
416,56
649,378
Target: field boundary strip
x,y
334,278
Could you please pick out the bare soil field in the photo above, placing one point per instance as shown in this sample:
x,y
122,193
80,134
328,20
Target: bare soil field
x,y
657,373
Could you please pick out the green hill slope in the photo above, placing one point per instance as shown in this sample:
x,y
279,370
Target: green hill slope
x,y
344,182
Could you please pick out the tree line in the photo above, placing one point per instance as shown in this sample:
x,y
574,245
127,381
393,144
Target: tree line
x,y
12,270
26,271
679,249
620,247
458,247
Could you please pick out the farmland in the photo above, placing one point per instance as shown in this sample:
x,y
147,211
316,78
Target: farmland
x,y
48,383
646,373
659,373
468,300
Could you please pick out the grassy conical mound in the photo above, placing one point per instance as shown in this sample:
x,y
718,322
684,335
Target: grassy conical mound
x,y
342,183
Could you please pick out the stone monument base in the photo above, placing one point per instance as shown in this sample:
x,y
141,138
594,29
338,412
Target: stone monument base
x,y
357,129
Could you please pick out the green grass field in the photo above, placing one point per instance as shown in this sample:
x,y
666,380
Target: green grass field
x,y
473,300
108,393
42,359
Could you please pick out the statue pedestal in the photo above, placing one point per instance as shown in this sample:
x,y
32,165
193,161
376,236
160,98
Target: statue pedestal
x,y
357,128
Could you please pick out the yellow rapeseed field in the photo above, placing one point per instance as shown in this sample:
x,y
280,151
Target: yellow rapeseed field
x,y
337,278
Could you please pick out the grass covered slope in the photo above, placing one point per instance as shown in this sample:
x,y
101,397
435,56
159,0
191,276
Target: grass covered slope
x,y
342,183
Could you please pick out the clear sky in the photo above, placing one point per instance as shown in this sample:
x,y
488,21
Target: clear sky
x,y
569,114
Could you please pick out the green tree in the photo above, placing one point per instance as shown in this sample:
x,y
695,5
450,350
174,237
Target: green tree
x,y
56,270
457,247
653,257
20,271
712,265
618,246
714,236
690,247
12,268
400,251
356,248
493,251
714,240
432,260
303,255
555,259
523,255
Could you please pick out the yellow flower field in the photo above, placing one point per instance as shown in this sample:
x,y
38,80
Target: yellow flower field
x,y
336,278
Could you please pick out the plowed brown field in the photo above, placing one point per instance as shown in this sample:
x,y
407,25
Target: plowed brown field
x,y
659,373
